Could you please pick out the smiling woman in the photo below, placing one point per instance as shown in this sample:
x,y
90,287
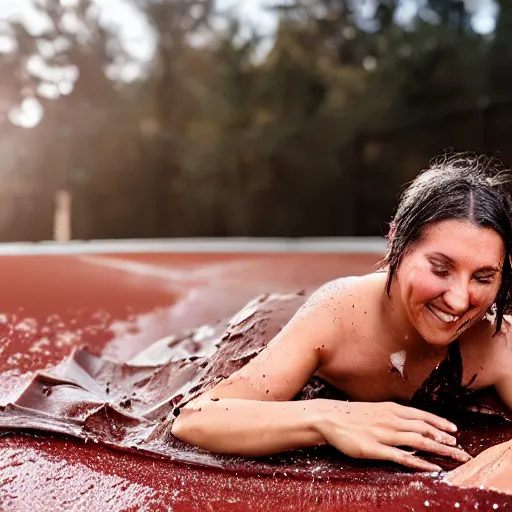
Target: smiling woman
x,y
474,191
450,279
440,295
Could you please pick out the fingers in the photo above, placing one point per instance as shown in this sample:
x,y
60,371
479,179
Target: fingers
x,y
420,442
416,414
426,430
405,459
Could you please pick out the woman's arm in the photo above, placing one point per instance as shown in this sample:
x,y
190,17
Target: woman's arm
x,y
363,430
250,413
251,428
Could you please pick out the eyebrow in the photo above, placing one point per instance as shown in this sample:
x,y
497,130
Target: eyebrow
x,y
447,259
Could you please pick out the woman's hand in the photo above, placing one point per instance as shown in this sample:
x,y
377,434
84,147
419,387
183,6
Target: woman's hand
x,y
374,430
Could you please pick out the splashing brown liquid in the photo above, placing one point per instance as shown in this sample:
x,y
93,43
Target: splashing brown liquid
x,y
131,407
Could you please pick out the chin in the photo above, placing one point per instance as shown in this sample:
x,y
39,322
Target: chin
x,y
435,336
439,341
435,333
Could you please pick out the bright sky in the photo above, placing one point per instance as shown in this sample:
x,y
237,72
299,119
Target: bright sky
x,y
138,40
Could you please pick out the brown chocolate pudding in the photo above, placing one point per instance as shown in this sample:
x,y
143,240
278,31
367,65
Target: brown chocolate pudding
x,y
131,407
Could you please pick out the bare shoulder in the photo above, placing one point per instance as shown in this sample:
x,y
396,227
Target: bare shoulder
x,y
339,308
341,296
283,368
487,353
330,293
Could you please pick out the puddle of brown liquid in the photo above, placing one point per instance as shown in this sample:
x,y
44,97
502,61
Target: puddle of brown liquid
x,y
131,407
49,471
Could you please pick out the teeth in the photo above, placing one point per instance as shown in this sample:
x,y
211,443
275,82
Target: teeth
x,y
445,317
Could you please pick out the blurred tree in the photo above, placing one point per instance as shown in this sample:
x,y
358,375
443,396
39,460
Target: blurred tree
x,y
217,137
452,13
500,62
174,22
434,67
330,72
73,47
65,67
12,64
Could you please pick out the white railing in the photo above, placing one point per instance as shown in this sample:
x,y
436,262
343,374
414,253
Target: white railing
x,y
372,245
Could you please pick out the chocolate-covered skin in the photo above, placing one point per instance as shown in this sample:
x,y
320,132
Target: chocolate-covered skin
x,y
131,406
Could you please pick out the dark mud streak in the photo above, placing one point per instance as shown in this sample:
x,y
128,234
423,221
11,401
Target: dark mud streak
x,y
93,399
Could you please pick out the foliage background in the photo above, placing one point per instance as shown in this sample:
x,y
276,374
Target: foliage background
x,y
225,131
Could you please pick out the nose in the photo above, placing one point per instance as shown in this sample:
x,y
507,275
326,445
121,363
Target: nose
x,y
457,297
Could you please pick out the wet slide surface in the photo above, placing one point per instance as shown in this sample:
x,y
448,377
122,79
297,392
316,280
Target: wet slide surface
x,y
120,305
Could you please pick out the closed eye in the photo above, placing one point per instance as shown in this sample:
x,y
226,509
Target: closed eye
x,y
440,271
485,279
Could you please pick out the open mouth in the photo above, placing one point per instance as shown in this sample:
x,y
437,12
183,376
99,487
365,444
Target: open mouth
x,y
441,315
448,319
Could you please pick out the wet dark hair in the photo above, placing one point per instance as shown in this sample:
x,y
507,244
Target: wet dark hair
x,y
461,186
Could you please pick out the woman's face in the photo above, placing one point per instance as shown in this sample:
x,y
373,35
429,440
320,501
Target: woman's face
x,y
450,278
